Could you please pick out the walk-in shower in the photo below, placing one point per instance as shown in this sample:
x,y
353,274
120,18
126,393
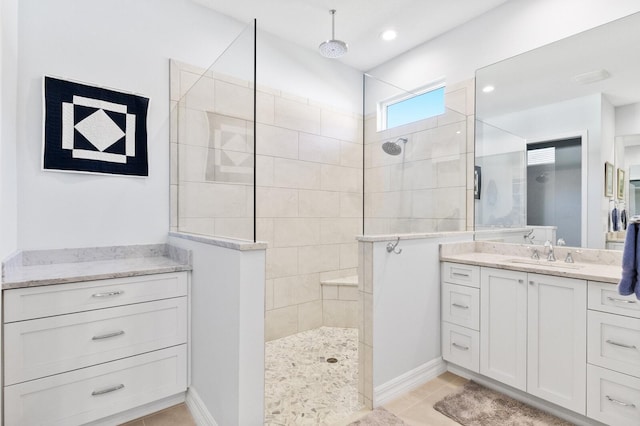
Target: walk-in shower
x,y
394,147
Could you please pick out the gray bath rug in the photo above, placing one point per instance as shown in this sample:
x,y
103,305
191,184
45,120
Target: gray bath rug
x,y
475,405
379,417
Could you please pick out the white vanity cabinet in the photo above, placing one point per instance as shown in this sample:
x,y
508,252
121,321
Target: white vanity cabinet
x,y
503,321
75,353
557,340
461,315
613,372
533,334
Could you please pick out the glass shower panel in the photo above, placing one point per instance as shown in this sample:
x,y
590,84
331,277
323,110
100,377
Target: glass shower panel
x,y
214,153
416,173
501,183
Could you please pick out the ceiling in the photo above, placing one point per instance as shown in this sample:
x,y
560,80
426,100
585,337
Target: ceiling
x,y
357,22
547,75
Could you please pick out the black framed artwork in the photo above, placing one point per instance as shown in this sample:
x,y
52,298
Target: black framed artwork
x,y
90,129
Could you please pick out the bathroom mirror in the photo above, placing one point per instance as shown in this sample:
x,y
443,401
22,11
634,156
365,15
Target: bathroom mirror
x,y
546,123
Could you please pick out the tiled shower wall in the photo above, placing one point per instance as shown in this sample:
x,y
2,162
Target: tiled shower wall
x,y
429,186
309,186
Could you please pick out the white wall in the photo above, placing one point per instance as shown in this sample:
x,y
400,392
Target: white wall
x,y
126,44
515,27
406,306
628,120
8,118
227,331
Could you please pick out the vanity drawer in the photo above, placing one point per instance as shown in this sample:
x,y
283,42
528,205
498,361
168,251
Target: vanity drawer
x,y
458,273
461,346
44,301
47,346
614,342
461,305
604,297
88,394
612,398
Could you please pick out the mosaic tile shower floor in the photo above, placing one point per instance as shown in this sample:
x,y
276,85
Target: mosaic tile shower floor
x,y
301,387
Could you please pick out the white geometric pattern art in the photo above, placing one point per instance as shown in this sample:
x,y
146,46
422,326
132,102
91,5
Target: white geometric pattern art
x,y
93,129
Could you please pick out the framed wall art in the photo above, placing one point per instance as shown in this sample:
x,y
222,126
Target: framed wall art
x,y
90,129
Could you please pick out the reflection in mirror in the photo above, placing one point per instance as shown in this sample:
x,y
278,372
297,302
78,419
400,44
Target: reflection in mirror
x,y
584,88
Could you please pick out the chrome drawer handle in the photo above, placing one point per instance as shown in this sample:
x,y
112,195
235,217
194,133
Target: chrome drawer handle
x,y
460,306
108,294
107,390
106,336
464,348
622,345
613,299
459,274
624,404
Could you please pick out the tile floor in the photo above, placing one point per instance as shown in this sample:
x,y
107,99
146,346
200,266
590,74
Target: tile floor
x,y
178,415
301,387
415,407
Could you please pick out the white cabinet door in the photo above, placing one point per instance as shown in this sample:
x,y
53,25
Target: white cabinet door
x,y
557,340
503,325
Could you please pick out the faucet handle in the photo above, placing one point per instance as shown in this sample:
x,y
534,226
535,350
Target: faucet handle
x,y
569,258
534,253
561,242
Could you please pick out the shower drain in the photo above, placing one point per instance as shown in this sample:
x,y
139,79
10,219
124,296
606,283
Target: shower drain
x,y
332,360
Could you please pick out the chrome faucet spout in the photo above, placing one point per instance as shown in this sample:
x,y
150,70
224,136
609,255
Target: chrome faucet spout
x,y
551,257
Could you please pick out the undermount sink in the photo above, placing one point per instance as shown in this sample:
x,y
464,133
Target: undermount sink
x,y
546,263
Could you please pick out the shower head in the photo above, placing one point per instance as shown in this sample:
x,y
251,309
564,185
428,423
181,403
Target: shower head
x,y
393,148
543,178
333,48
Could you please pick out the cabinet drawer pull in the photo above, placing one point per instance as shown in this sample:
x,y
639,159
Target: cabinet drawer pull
x,y
108,294
624,404
464,348
460,274
520,281
106,336
532,282
622,345
613,299
460,306
107,390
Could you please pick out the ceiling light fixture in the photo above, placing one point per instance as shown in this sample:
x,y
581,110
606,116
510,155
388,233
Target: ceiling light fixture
x,y
333,48
488,89
389,35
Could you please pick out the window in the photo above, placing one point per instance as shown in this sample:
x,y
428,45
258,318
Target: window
x,y
423,104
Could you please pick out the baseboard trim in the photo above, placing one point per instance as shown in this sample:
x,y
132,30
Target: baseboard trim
x,y
408,381
563,413
141,411
199,411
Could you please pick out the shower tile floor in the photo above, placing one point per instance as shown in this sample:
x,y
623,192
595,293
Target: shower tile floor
x,y
301,387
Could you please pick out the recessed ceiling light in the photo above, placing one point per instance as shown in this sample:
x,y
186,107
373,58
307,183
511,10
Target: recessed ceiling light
x,y
488,89
389,35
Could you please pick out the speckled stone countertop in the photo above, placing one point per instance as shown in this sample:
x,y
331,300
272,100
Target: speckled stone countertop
x,y
48,267
590,264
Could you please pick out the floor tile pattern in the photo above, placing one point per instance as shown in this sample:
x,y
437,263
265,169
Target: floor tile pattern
x,y
301,387
416,407
178,415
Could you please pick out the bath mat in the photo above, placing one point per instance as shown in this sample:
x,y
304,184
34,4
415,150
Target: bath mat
x,y
475,405
379,417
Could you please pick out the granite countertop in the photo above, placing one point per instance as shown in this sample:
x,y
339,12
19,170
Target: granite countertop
x,y
593,265
48,267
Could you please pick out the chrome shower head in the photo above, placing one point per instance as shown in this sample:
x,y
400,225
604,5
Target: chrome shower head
x,y
394,148
333,48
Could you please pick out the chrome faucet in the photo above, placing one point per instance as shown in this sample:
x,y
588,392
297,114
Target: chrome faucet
x,y
534,253
551,257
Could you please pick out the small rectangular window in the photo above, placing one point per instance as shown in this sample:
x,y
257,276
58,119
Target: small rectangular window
x,y
399,111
